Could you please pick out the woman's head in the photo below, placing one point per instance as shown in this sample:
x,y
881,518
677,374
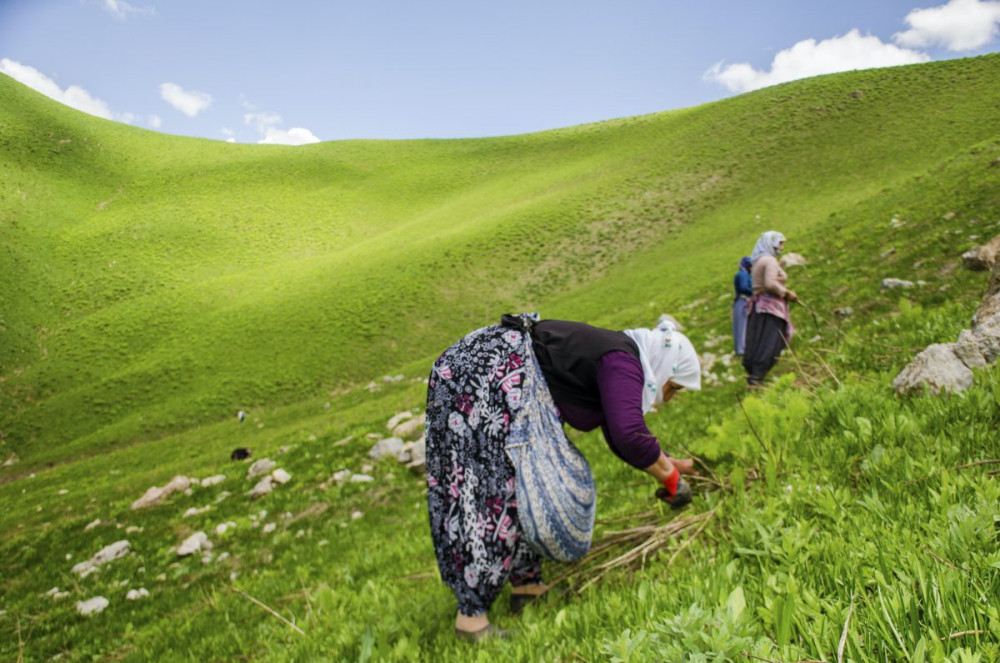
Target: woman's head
x,y
771,243
669,363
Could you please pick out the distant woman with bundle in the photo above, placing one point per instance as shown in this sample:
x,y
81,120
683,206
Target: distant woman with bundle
x,y
483,386
743,284
769,325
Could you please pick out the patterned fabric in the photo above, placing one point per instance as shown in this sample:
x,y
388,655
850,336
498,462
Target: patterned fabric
x,y
474,393
555,488
765,302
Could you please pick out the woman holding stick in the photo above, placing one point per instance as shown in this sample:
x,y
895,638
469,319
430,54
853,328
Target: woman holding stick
x,y
596,377
769,325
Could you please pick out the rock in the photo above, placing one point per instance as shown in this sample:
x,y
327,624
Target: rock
x,y
356,514
844,312
707,361
263,487
391,446
793,260
136,594
397,419
10,461
92,524
410,427
56,594
269,527
938,368
260,468
107,554
280,476
966,348
361,478
392,378
895,284
342,475
194,543
418,456
195,511
213,480
92,606
155,494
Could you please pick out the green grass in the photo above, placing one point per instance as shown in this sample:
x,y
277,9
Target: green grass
x,y
156,285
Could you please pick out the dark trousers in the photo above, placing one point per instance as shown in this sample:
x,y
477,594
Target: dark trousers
x,y
766,336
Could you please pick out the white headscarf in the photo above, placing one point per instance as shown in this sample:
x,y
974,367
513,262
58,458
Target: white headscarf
x,y
665,354
767,245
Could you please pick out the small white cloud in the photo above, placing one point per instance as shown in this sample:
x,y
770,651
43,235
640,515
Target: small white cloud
x,y
188,102
270,131
73,96
229,134
122,10
811,58
155,121
294,136
960,25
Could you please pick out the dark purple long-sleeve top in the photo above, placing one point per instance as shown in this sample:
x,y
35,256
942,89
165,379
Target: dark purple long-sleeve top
x,y
620,381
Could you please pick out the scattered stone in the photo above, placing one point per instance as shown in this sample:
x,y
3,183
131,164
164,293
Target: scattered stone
x,y
410,427
896,222
844,312
92,524
793,260
356,514
936,367
260,468
133,529
240,453
816,339
56,594
397,419
418,456
269,527
194,511
155,494
391,446
281,476
222,528
895,284
344,441
263,487
194,543
213,480
392,378
240,416
982,258
10,461
107,554
92,606
361,478
136,594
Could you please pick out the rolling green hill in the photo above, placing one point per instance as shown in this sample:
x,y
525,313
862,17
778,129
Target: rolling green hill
x,y
154,285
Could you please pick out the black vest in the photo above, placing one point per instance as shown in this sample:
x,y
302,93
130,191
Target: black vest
x,y
568,354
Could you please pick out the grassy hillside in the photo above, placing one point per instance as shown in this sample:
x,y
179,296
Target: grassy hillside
x,y
155,285
160,282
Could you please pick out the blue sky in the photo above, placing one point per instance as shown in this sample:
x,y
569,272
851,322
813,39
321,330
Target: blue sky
x,y
295,72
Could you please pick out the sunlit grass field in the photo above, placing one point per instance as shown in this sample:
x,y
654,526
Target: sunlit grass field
x,y
153,286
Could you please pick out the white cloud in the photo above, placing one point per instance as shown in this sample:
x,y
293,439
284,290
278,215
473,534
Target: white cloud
x,y
155,121
122,10
73,96
229,134
811,58
271,133
960,25
188,102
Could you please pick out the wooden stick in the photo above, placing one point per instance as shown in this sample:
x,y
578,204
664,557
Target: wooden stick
x,y
270,610
941,559
750,423
962,634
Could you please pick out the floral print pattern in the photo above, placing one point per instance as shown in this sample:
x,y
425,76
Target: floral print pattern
x,y
474,391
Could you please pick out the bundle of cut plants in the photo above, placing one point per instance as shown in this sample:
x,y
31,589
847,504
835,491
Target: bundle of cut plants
x,y
628,548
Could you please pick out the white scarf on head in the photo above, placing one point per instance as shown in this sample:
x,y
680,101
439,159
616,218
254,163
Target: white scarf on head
x,y
665,354
767,245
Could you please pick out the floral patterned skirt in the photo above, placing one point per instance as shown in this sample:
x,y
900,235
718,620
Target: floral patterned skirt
x,y
473,393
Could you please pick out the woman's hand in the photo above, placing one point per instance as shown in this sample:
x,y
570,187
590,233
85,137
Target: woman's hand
x,y
791,296
685,466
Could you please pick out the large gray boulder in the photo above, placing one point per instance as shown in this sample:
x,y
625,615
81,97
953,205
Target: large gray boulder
x,y
982,258
937,368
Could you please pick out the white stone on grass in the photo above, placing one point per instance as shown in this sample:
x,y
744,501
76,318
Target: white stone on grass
x,y
92,524
361,478
213,480
155,494
260,468
92,606
263,487
281,476
104,555
136,594
194,543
